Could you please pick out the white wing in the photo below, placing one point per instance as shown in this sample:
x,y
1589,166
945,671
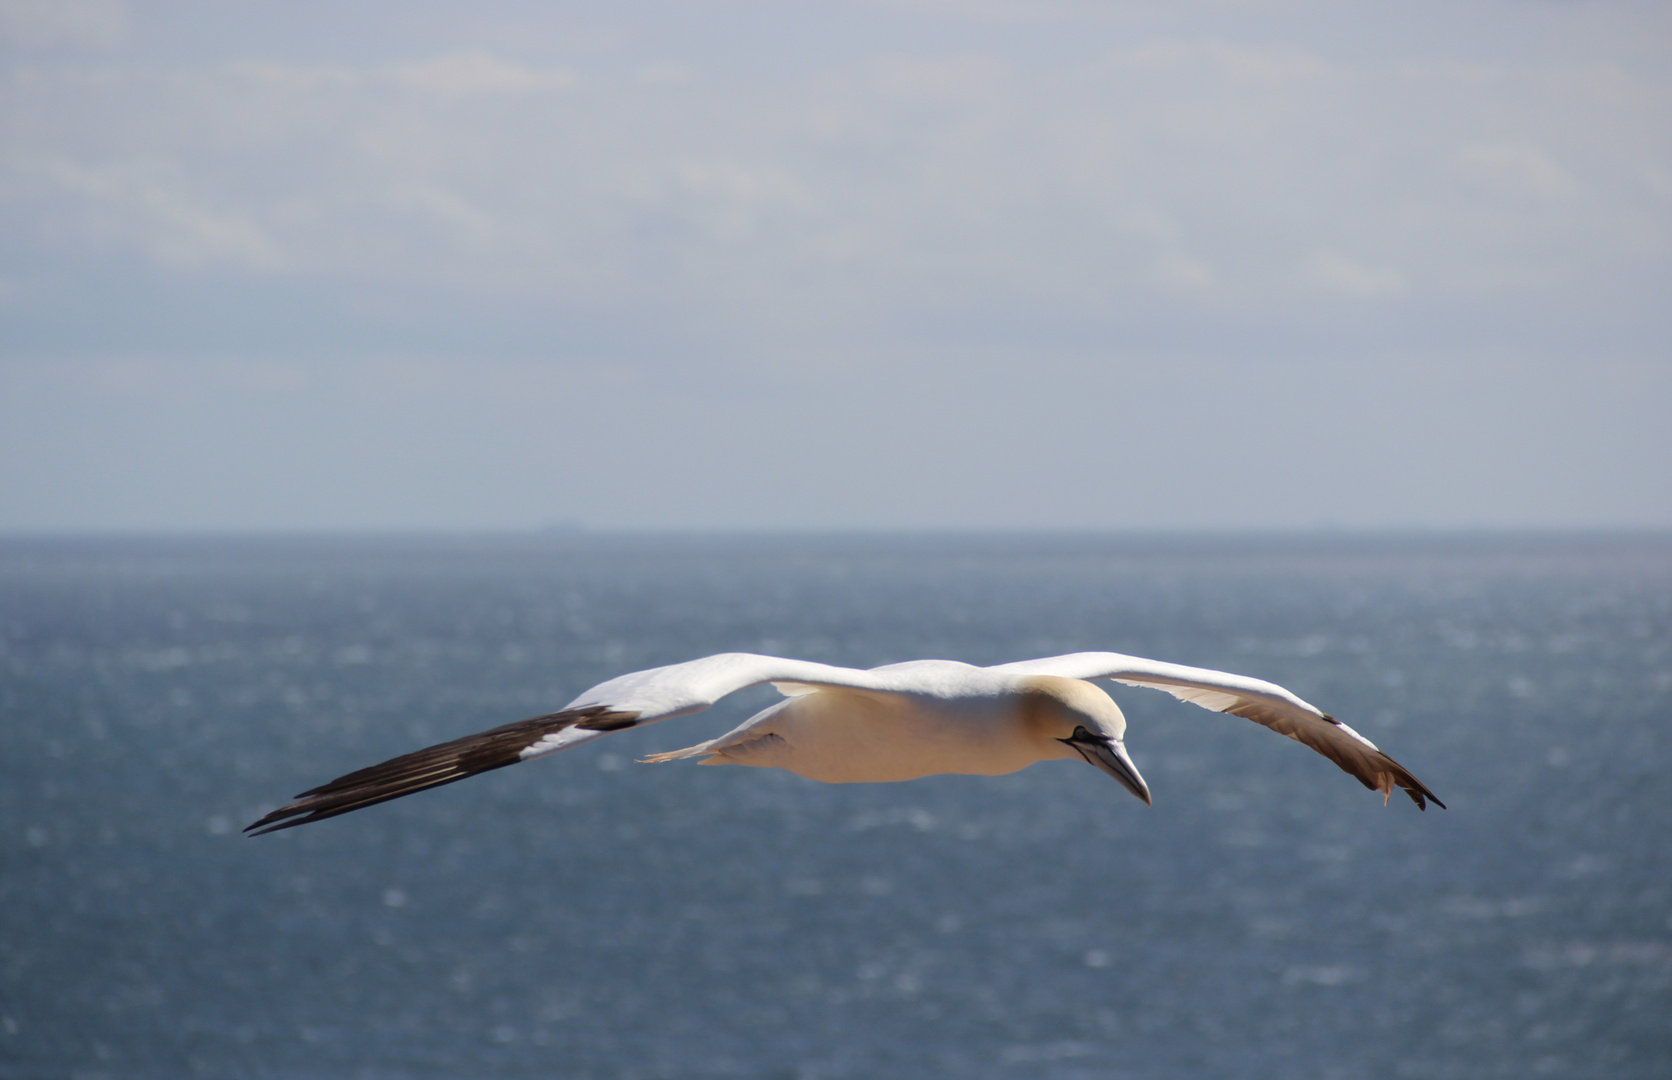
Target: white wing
x,y
681,689
631,700
1253,699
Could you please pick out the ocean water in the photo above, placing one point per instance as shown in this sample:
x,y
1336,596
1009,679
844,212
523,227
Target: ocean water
x,y
584,916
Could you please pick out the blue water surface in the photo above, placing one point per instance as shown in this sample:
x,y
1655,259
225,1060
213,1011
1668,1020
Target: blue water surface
x,y
584,916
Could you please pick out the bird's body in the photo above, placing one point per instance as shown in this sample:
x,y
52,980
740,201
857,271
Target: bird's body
x,y
892,723
844,736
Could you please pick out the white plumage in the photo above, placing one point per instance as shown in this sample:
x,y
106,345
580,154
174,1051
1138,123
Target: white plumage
x,y
899,722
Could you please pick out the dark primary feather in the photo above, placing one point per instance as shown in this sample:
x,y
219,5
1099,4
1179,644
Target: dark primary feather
x,y
434,766
1374,769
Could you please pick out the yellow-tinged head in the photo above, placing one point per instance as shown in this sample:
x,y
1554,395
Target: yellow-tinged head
x,y
1053,707
1080,720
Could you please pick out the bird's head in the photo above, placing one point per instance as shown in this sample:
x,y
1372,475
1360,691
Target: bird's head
x,y
1073,718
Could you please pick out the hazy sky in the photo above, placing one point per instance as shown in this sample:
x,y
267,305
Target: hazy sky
x,y
983,264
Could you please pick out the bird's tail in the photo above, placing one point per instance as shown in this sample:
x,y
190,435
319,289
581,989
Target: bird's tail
x,y
701,750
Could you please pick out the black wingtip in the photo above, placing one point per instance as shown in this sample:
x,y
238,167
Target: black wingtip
x,y
267,825
433,766
1418,791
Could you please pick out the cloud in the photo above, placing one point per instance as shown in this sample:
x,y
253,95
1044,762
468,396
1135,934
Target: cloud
x,y
472,225
1223,60
79,24
477,73
853,184
990,235
1178,269
1518,169
148,203
1338,273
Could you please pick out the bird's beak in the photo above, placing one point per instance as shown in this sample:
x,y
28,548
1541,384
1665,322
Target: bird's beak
x,y
1110,756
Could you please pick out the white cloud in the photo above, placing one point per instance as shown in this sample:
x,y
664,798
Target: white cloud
x,y
985,174
1221,59
472,224
1179,269
739,183
1108,205
146,202
1338,273
44,24
1517,168
477,73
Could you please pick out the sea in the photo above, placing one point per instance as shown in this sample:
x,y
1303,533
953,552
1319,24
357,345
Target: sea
x,y
585,916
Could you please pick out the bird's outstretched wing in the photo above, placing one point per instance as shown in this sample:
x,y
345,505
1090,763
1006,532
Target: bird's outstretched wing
x,y
631,700
1253,699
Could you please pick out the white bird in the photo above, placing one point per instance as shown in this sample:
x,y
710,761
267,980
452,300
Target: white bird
x,y
898,722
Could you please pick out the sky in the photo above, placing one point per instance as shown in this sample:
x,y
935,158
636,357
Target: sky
x,y
921,264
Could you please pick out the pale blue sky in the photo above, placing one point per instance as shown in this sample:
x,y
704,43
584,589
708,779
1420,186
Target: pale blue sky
x,y
855,265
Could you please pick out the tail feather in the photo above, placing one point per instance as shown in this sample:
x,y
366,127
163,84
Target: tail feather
x,y
702,749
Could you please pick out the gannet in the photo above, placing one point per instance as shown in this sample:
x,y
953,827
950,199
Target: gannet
x,y
896,722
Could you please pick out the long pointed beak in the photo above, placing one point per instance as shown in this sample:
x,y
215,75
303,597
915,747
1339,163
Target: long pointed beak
x,y
1110,756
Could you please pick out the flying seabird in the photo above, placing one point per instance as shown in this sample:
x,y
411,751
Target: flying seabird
x,y
897,722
